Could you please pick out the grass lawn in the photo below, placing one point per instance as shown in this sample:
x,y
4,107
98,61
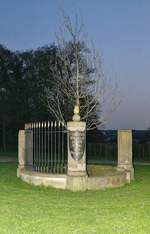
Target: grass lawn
x,y
28,209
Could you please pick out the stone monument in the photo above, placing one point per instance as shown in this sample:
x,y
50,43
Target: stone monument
x,y
77,172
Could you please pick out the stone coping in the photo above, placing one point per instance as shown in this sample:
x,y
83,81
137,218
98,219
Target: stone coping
x,y
115,178
37,178
42,174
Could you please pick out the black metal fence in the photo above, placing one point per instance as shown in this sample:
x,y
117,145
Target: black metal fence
x,y
107,152
49,147
100,152
141,152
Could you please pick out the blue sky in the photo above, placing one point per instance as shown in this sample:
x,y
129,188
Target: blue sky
x,y
120,30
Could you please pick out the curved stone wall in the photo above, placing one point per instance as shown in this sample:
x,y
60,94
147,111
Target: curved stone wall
x,y
116,179
37,178
100,177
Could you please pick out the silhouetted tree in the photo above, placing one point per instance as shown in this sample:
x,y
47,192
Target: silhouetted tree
x,y
79,82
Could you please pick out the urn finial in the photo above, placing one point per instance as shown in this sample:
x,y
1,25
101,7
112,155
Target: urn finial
x,y
76,111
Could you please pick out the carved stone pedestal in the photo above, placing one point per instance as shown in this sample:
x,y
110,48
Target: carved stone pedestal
x,y
77,173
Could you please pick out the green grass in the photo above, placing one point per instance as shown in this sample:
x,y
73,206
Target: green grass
x,y
28,209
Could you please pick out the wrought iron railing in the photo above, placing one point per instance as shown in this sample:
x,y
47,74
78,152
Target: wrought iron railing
x,y
49,146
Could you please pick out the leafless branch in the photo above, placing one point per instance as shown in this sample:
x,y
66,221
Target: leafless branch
x,y
81,80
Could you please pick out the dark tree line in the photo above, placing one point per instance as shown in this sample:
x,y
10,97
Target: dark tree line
x,y
23,78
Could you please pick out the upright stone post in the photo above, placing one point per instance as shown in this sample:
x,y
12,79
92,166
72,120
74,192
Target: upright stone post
x,y
77,174
125,153
29,149
25,149
21,151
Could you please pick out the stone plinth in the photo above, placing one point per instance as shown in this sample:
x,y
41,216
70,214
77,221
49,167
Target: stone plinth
x,y
77,183
25,150
29,148
21,150
77,173
76,148
125,153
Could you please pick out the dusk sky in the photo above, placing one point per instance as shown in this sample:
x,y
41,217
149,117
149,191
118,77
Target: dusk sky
x,y
120,30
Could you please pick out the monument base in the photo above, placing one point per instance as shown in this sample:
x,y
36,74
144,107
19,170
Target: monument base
x,y
129,171
99,177
77,173
77,183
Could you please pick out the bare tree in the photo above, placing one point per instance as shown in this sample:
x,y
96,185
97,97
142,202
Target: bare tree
x,y
79,85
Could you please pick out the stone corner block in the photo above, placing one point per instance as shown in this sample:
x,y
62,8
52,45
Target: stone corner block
x,y
125,157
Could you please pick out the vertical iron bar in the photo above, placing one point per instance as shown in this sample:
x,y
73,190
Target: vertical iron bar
x,y
39,146
65,147
59,162
32,145
61,149
39,132
36,145
42,148
45,163
63,164
48,147
36,132
35,140
51,146
55,157
34,158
